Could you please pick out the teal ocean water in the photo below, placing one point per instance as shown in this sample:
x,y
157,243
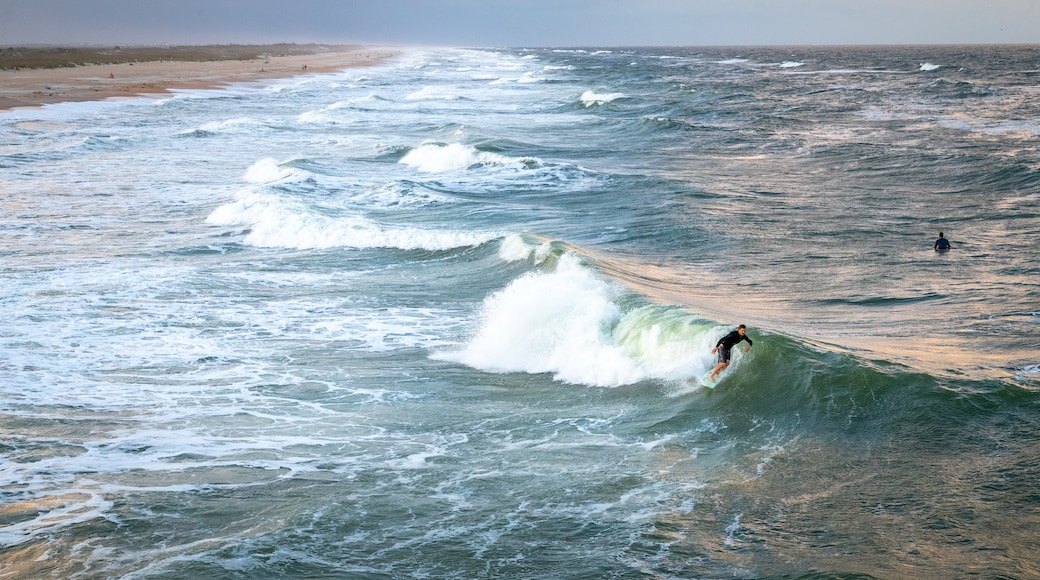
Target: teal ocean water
x,y
444,317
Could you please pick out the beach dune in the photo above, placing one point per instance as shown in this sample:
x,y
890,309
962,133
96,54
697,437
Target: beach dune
x,y
35,76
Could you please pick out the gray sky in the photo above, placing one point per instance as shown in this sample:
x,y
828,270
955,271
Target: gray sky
x,y
520,22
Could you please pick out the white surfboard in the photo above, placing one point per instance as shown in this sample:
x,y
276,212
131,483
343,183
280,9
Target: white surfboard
x,y
708,382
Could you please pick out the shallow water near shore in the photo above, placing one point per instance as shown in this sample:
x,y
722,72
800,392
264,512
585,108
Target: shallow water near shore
x,y
445,317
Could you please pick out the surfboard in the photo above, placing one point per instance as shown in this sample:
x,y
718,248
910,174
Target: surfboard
x,y
707,382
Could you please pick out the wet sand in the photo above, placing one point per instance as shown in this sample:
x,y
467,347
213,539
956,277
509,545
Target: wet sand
x,y
29,78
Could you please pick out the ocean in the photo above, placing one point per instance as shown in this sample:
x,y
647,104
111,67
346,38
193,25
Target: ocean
x,y
445,316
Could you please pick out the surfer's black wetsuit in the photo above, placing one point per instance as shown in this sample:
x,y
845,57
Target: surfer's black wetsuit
x,y
729,341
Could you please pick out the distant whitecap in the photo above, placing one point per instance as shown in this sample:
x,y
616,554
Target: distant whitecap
x,y
592,99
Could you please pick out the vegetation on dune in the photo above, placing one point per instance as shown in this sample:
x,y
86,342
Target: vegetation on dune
x,y
16,57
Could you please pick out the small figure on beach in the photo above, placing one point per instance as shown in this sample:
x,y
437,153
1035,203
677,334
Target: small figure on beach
x,y
723,347
942,244
304,67
111,76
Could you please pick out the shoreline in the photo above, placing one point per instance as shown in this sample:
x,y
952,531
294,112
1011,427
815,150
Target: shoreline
x,y
150,70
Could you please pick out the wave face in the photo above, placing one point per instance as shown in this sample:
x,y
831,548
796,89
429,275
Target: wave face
x,y
446,317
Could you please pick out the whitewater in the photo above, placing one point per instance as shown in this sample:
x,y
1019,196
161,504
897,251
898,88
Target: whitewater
x,y
445,316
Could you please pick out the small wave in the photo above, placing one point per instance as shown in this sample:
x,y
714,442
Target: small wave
x,y
440,158
732,61
927,66
431,93
591,99
527,77
956,89
330,113
268,170
105,142
247,123
276,223
195,133
791,64
515,248
400,194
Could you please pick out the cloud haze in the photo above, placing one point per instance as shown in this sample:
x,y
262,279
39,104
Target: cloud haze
x,y
520,22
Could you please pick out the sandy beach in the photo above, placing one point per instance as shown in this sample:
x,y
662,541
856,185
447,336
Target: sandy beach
x,y
27,80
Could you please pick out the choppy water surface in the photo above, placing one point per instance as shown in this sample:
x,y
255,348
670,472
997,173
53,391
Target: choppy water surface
x,y
444,317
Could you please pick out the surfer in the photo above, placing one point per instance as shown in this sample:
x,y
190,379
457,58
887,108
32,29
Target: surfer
x,y
723,347
942,244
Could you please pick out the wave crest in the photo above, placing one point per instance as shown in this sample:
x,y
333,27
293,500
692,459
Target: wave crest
x,y
591,99
441,158
580,328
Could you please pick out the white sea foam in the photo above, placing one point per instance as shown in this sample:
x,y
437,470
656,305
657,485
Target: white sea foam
x,y
515,248
279,222
268,170
791,64
238,123
441,158
552,323
333,114
434,93
927,66
568,322
732,531
52,512
529,77
1031,372
275,222
387,329
399,194
592,99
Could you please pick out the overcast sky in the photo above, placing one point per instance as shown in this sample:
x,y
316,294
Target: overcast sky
x,y
499,23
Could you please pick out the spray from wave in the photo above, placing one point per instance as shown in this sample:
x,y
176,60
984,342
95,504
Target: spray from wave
x,y
566,320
